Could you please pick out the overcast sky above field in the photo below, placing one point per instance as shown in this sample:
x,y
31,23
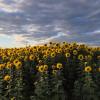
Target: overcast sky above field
x,y
41,21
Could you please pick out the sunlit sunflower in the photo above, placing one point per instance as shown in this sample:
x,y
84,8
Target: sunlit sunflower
x,y
45,67
13,98
7,77
53,54
4,57
50,43
45,56
47,52
9,53
9,65
75,52
2,66
31,57
45,45
59,65
64,42
67,55
41,69
88,69
18,65
15,61
25,58
59,51
89,57
80,57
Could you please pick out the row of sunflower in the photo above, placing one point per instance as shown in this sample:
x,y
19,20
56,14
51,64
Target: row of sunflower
x,y
55,71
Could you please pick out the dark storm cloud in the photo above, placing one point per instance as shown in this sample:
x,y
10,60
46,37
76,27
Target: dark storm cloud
x,y
44,19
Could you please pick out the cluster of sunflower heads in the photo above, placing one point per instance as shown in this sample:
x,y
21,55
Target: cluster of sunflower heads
x,y
45,68
52,57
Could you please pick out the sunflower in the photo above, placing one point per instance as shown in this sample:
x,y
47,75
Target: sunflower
x,y
25,58
57,44
45,67
54,72
75,52
2,66
88,69
9,65
45,45
67,55
99,69
64,42
59,51
47,52
50,43
59,65
53,54
89,57
31,57
15,61
7,77
18,65
41,69
80,57
13,98
9,53
45,56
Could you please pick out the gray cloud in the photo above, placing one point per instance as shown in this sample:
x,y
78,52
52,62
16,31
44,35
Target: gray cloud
x,y
76,20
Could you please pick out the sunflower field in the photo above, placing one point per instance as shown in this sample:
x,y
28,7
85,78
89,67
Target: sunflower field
x,y
53,71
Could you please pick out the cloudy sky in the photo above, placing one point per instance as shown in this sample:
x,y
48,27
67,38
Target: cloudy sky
x,y
40,21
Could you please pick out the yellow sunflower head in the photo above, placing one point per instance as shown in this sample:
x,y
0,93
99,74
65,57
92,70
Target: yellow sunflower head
x,y
98,57
64,42
59,65
75,52
54,72
41,69
31,57
50,42
67,55
2,66
88,69
18,65
45,67
59,51
53,54
15,61
88,57
25,58
80,57
98,69
9,65
45,45
13,98
7,77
